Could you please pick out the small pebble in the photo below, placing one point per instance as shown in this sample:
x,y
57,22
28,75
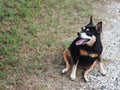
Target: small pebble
x,y
118,10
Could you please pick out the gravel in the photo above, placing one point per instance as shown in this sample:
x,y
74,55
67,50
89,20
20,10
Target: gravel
x,y
110,14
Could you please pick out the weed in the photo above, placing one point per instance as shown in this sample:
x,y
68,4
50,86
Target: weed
x,y
36,31
2,88
43,87
19,82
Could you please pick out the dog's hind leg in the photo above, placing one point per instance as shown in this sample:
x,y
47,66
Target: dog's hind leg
x,y
87,71
66,54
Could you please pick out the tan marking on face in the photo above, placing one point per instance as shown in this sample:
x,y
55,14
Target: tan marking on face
x,y
83,52
92,41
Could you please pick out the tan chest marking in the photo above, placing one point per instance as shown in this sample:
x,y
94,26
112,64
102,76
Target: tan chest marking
x,y
93,55
85,53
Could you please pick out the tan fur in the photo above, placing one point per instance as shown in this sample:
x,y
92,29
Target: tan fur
x,y
83,52
66,54
101,68
73,73
92,41
93,55
88,70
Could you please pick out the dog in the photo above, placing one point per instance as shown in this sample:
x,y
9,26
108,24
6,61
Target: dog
x,y
85,50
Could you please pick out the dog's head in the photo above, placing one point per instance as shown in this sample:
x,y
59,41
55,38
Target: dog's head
x,y
88,34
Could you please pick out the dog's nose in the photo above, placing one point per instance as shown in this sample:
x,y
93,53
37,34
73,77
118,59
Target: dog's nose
x,y
78,33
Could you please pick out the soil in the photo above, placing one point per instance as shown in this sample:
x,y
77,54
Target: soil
x,y
51,78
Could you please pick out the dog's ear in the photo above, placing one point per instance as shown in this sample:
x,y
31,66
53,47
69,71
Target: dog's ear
x,y
91,22
99,27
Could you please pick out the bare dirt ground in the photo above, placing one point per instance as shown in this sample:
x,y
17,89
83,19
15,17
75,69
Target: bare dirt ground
x,y
51,78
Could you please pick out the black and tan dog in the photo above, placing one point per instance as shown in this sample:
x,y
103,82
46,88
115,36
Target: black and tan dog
x,y
85,50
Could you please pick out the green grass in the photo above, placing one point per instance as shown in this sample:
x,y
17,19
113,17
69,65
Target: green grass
x,y
31,31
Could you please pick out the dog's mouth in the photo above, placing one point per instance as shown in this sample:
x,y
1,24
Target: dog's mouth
x,y
82,41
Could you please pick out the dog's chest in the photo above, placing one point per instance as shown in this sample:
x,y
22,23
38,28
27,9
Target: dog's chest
x,y
88,53
86,60
87,56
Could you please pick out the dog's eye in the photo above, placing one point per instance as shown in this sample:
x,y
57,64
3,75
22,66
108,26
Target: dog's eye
x,y
87,29
84,28
88,33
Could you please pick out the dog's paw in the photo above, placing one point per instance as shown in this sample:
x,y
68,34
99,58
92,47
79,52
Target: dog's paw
x,y
86,79
64,71
72,77
103,72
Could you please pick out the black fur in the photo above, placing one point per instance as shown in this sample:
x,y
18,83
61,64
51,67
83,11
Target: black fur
x,y
96,48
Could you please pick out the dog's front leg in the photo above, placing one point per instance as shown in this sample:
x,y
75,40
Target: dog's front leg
x,y
73,73
87,71
103,72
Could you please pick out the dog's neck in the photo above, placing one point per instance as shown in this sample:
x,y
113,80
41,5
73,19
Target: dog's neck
x,y
92,42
